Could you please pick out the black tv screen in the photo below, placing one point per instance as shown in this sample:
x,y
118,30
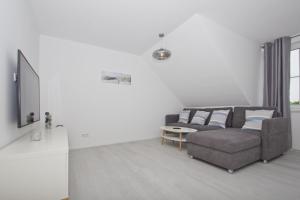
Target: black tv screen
x,y
28,89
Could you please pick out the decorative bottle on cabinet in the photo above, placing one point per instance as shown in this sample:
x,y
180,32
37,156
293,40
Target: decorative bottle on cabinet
x,y
48,120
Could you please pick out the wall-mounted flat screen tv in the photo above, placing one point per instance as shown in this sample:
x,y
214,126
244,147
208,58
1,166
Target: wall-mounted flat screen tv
x,y
28,92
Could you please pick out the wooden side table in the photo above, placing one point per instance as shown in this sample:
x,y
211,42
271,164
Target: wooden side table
x,y
177,134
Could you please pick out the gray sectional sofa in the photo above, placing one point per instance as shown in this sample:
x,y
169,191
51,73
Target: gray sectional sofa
x,y
233,147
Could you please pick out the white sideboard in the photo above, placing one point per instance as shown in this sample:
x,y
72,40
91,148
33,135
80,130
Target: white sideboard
x,y
35,170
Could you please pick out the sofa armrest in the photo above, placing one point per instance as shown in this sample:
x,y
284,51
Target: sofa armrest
x,y
274,136
171,118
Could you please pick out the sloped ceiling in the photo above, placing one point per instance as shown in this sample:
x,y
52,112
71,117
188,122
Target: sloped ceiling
x,y
215,43
124,25
133,25
210,65
260,20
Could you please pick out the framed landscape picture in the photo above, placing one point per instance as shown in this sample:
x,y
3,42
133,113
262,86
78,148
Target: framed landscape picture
x,y
116,78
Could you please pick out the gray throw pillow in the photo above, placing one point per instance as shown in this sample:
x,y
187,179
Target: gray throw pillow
x,y
218,118
200,117
184,116
254,118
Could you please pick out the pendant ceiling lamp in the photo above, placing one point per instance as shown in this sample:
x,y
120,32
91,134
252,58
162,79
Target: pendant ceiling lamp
x,y
161,54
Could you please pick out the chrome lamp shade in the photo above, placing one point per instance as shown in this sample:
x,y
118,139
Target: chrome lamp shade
x,y
161,54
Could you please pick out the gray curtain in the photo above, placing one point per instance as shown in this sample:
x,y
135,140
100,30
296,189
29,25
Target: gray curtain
x,y
277,78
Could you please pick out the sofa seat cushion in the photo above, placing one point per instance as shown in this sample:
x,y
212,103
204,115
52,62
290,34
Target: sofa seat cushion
x,y
195,126
229,140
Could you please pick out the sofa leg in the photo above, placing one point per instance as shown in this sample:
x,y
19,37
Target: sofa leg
x,y
265,161
230,171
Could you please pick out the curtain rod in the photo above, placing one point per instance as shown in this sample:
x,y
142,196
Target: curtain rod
x,y
293,36
297,35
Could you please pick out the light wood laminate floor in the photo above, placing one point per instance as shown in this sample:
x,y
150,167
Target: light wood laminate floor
x,y
151,171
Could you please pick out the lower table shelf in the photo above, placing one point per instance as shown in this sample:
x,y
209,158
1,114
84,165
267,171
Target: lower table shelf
x,y
174,138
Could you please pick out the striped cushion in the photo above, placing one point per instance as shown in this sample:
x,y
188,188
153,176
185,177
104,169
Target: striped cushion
x,y
254,118
200,117
218,118
184,116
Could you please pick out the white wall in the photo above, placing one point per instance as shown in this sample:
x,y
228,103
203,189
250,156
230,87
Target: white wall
x,y
72,90
18,31
210,64
260,89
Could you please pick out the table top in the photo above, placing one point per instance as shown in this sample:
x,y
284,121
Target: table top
x,y
176,129
53,141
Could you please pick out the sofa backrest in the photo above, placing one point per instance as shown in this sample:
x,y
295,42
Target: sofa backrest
x,y
229,118
239,114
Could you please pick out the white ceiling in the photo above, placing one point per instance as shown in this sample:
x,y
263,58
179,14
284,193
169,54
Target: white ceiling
x,y
260,20
132,25
210,65
125,25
